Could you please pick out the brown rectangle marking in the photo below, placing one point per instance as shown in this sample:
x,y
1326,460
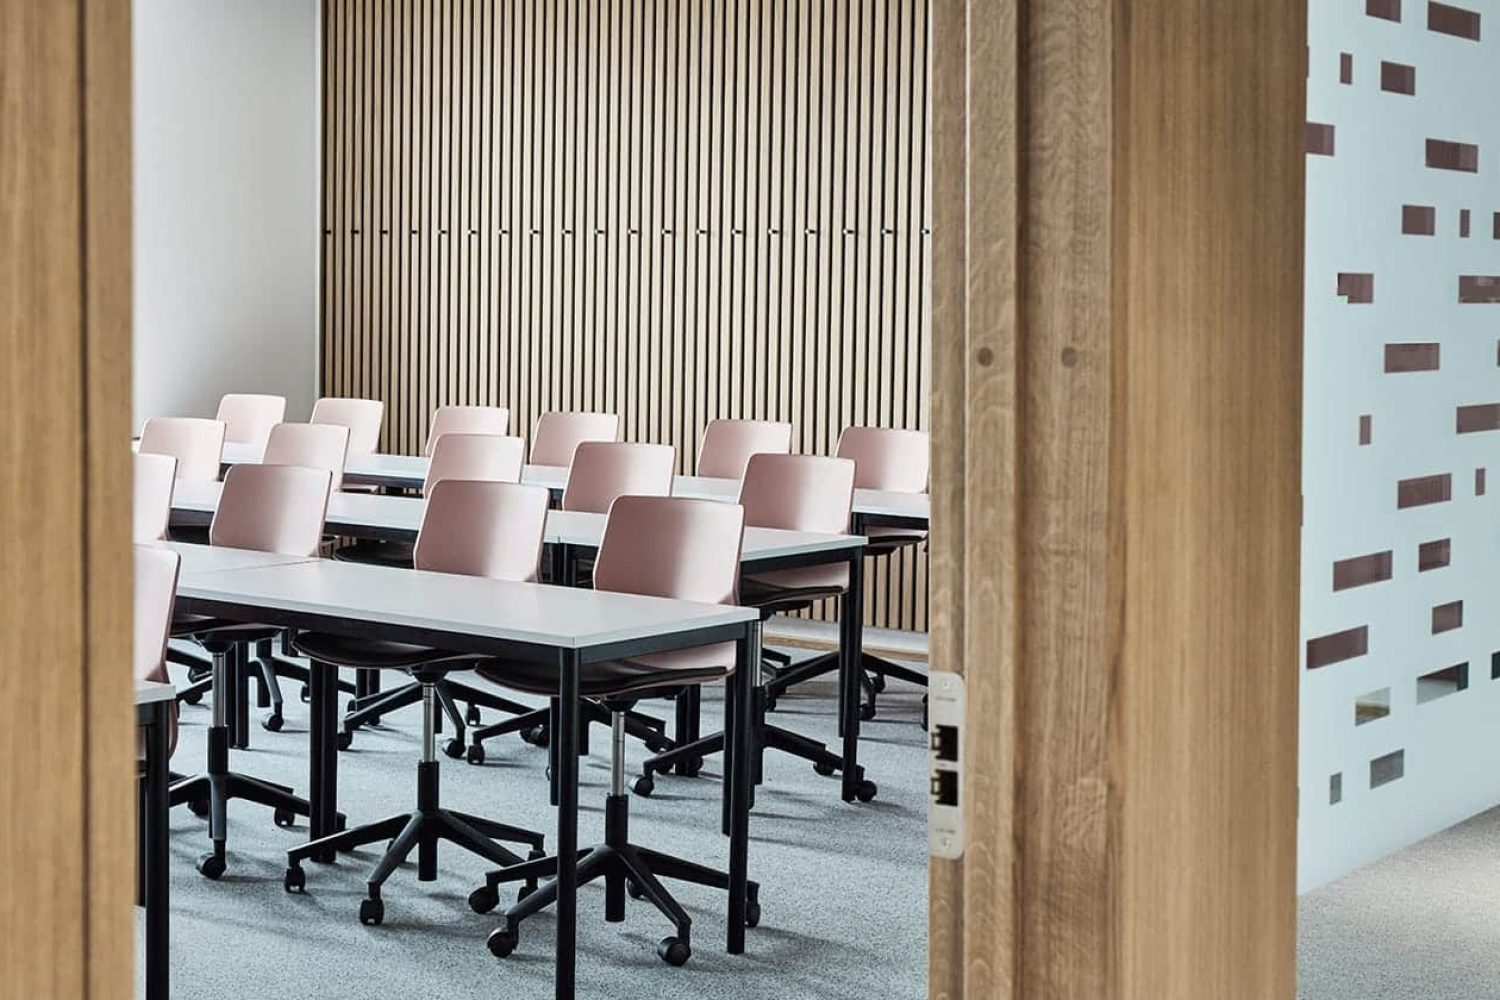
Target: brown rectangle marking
x,y
1338,647
1434,555
1361,570
1346,67
1398,78
1418,220
1319,139
1480,475
1463,223
1423,490
1390,10
1447,617
1445,155
1359,289
1366,428
1478,417
1451,20
1412,357
1386,769
1479,289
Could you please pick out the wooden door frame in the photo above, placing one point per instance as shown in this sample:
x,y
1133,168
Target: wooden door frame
x,y
1117,297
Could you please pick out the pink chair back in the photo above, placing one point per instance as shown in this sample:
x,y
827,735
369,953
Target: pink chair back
x,y
317,446
886,459
197,444
466,420
557,434
493,458
798,493
487,529
604,470
671,547
249,417
155,590
272,508
728,444
363,417
155,476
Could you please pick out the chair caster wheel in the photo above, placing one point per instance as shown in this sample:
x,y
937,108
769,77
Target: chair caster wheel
x,y
211,866
472,715
295,879
283,817
877,683
198,807
674,951
371,912
306,694
525,891
770,704
659,746
484,899
644,786
272,723
865,790
752,914
192,698
502,941
537,736
634,888
824,769
867,712
454,748
346,740
475,754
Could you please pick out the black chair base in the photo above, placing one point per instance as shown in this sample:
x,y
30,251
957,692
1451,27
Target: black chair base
x,y
368,709
419,830
535,727
876,670
624,868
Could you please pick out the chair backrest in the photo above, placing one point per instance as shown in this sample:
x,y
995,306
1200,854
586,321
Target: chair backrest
x,y
363,417
272,508
483,529
558,433
197,444
671,547
493,458
798,493
317,446
249,417
886,459
155,590
155,476
466,420
728,444
604,470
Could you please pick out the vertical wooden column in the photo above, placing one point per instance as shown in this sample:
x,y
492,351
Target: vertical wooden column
x,y
67,746
1117,292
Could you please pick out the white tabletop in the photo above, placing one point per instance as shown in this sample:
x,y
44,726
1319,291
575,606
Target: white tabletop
x,y
147,692
559,617
216,558
402,516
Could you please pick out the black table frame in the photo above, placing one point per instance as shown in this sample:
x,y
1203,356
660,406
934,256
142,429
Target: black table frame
x,y
154,719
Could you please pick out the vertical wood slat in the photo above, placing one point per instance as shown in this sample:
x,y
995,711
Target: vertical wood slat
x,y
675,211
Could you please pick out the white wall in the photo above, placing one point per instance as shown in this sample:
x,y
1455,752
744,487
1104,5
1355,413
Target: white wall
x,y
1451,745
227,103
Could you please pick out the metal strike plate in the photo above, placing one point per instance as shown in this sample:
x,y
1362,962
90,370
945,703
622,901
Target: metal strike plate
x,y
945,758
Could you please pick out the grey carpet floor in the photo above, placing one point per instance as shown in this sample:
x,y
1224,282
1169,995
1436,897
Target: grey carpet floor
x,y
843,887
1418,925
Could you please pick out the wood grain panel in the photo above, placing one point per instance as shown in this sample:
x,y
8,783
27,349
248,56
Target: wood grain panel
x,y
673,210
1123,461
65,794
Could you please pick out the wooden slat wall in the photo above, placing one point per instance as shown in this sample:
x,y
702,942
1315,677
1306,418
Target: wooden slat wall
x,y
674,210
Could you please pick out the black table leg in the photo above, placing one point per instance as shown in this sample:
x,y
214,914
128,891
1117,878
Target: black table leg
x,y
851,648
738,782
157,879
323,753
565,735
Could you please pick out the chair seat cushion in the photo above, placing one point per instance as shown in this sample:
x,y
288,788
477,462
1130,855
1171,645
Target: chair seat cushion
x,y
789,590
378,654
640,675
210,632
375,553
885,540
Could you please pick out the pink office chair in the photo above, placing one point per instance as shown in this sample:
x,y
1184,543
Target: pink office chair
x,y
605,470
269,508
793,493
156,570
248,418
317,446
466,420
665,547
363,417
485,529
558,434
728,444
197,444
896,461
155,476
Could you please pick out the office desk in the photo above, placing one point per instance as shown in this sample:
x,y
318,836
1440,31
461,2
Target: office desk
x,y
395,518
153,711
565,627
